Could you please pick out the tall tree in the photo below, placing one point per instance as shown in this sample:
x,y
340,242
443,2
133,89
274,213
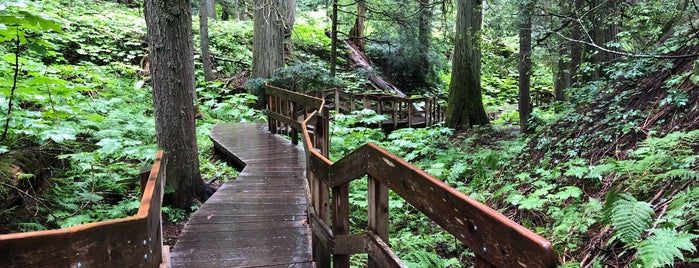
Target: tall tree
x,y
356,34
570,53
465,103
204,40
525,62
171,55
606,20
333,40
424,37
270,26
208,7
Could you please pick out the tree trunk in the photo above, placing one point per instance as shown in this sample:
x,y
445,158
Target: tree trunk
x,y
204,37
604,31
424,36
356,34
333,40
360,60
465,103
564,73
268,43
171,54
209,8
525,62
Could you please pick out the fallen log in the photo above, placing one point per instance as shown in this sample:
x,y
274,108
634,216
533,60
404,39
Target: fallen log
x,y
377,81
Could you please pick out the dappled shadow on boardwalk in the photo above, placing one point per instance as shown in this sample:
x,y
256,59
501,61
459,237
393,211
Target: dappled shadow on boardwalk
x,y
258,219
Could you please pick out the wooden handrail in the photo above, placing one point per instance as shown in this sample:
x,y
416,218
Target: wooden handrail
x,y
495,239
135,241
400,110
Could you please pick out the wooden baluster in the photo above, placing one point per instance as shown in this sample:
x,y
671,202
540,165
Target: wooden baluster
x,y
341,224
321,251
396,109
378,212
295,116
325,133
337,101
351,102
272,108
409,106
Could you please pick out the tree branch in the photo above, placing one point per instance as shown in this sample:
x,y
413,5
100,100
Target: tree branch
x,y
14,86
623,53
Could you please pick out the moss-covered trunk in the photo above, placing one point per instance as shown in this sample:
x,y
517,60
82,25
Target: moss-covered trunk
x,y
465,103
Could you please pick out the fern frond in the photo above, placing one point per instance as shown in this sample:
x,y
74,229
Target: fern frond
x,y
630,218
664,246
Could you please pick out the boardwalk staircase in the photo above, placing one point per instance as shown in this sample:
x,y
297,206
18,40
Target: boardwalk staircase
x,y
289,207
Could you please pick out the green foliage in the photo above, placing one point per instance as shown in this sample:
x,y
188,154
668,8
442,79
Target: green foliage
x,y
173,214
309,33
629,217
403,62
87,38
661,248
219,103
418,250
348,132
230,40
300,77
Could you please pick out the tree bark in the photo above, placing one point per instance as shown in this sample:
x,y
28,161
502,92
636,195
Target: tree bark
x,y
604,31
209,8
465,103
563,76
268,43
333,40
525,62
362,61
171,54
424,36
204,37
356,34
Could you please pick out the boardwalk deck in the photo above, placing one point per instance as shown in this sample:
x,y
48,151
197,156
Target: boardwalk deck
x,y
258,219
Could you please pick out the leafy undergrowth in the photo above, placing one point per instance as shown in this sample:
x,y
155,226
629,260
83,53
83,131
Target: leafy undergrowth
x,y
81,98
611,183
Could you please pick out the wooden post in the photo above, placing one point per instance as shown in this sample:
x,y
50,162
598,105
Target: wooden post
x,y
341,224
378,212
294,132
409,106
321,251
325,130
396,109
337,101
270,108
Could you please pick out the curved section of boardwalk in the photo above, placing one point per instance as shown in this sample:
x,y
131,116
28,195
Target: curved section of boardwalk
x,y
258,219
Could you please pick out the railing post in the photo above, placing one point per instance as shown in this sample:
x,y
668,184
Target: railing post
x,y
294,132
321,250
270,108
325,132
409,106
337,101
396,106
341,224
378,212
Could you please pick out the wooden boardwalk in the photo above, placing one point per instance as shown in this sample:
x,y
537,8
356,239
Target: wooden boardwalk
x,y
258,219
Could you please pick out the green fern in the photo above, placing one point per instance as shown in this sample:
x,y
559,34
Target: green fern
x,y
664,246
630,218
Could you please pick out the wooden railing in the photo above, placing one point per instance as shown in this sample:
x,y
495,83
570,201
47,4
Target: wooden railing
x,y
495,239
402,112
129,242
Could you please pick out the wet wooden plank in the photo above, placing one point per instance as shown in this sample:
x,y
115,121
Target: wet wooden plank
x,y
258,219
